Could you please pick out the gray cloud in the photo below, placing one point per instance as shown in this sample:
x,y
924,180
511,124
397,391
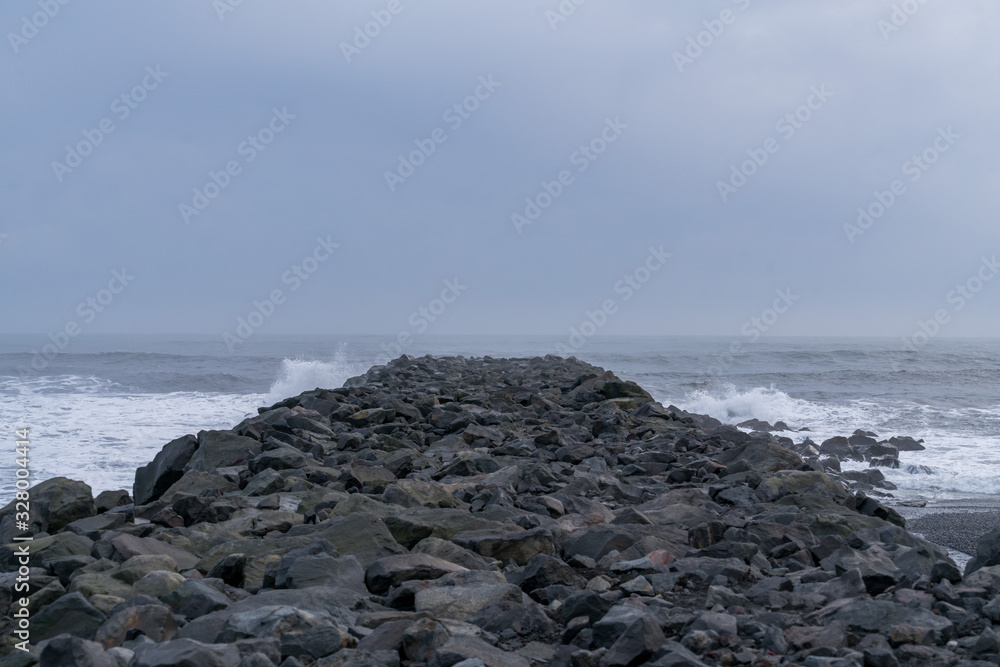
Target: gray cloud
x,y
656,185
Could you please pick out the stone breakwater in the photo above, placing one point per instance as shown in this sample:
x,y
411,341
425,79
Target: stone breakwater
x,y
492,512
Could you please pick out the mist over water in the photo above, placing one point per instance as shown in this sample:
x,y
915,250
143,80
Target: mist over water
x,y
107,406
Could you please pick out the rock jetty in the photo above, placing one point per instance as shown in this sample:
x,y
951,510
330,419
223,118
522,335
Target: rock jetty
x,y
455,512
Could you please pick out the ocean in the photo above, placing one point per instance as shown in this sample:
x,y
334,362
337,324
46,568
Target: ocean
x,y
107,404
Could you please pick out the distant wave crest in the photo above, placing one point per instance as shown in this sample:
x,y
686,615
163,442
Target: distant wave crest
x,y
299,375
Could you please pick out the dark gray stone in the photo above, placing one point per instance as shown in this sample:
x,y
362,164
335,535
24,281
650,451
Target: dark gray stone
x,y
168,466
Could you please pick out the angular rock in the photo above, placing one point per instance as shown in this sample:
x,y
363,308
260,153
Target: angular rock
x,y
394,570
167,467
519,547
186,653
154,621
218,449
70,614
65,650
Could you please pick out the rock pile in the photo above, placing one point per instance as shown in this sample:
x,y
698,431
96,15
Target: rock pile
x,y
464,512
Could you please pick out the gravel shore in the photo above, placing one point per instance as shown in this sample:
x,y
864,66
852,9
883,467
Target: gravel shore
x,y
957,530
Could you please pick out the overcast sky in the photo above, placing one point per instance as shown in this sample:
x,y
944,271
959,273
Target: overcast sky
x,y
644,125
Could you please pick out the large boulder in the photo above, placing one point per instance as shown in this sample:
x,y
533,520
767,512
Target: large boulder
x,y
155,621
518,546
55,503
876,615
394,570
65,650
152,479
220,449
72,614
987,552
120,547
186,653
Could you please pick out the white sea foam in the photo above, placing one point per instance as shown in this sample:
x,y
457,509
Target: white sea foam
x,y
101,437
299,375
94,430
963,458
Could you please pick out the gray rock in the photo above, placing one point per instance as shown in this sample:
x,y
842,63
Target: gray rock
x,y
987,553
55,503
877,615
219,449
543,571
675,655
93,526
316,642
584,603
155,621
270,621
721,624
877,570
186,653
464,647
122,546
519,547
281,458
422,638
108,500
167,467
229,569
264,483
71,614
394,570
65,650
325,570
636,644
462,602
194,598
